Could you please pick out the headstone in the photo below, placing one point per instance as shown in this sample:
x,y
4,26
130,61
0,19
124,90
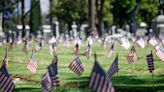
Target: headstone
x,y
74,29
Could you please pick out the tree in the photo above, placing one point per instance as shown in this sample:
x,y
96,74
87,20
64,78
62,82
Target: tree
x,y
35,17
68,11
122,11
148,10
23,19
100,14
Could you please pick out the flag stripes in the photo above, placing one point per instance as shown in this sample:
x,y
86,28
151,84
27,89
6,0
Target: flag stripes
x,y
6,83
114,68
160,53
55,80
99,82
46,83
150,62
51,78
77,66
32,65
132,55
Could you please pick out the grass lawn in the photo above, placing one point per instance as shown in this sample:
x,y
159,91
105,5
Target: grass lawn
x,y
131,77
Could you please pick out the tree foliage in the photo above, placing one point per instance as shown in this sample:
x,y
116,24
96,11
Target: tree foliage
x,y
35,17
148,10
121,10
69,10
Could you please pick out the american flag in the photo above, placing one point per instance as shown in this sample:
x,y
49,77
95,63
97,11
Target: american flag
x,y
6,83
114,68
140,42
11,45
25,48
46,83
51,78
111,51
32,64
77,66
39,46
150,62
77,49
88,51
99,81
5,60
160,53
52,47
132,55
53,72
125,43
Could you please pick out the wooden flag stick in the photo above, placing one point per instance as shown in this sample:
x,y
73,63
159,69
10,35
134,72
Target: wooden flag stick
x,y
133,66
78,81
117,66
152,81
95,56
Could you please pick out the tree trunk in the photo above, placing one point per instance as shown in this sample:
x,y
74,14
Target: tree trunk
x,y
92,28
99,10
23,21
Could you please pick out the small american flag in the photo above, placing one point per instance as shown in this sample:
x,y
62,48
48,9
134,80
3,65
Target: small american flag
x,y
77,49
5,60
25,48
6,83
32,64
53,47
114,68
111,51
53,72
98,80
88,51
50,78
150,62
140,42
77,66
46,83
160,53
132,55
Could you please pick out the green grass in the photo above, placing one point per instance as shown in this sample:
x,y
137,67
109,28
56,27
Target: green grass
x,y
131,77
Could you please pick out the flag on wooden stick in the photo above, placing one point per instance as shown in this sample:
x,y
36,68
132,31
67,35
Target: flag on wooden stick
x,y
114,68
77,49
132,55
32,64
25,47
6,83
77,66
46,83
53,72
50,78
160,52
111,51
88,51
150,62
99,81
5,60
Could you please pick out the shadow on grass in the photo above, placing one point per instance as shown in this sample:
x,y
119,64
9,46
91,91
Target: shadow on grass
x,y
81,82
134,84
27,89
121,84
